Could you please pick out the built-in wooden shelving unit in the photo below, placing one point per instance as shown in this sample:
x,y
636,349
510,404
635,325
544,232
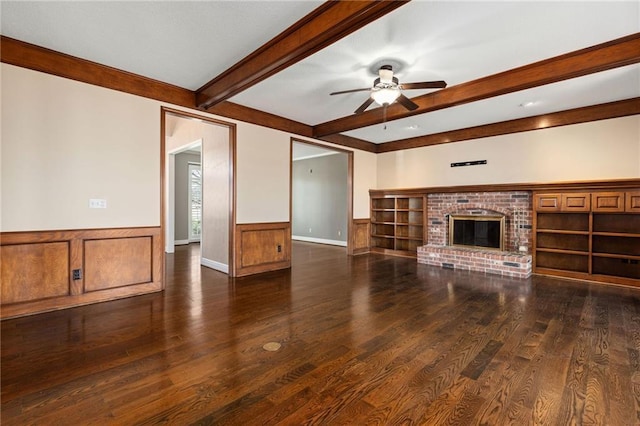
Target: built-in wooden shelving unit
x,y
398,224
588,235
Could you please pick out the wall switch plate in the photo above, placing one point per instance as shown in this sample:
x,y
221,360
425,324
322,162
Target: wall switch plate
x,y
97,203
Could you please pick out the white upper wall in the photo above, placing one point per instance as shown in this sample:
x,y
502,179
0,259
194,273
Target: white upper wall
x,y
64,142
599,150
263,161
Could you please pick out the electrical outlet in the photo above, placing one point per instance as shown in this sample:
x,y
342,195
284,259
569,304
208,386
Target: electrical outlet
x,y
77,274
309,230
339,233
97,203
279,248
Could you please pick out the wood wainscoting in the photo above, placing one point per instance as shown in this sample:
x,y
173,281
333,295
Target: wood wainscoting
x,y
361,236
262,247
50,270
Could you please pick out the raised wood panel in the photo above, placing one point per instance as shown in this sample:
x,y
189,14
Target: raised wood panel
x,y
34,271
117,262
262,247
361,236
632,201
547,202
608,201
121,262
576,202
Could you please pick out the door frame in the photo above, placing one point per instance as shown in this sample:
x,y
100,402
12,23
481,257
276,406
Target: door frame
x,y
349,185
164,185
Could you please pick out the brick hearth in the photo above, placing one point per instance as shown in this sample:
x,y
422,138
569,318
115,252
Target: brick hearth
x,y
516,206
492,262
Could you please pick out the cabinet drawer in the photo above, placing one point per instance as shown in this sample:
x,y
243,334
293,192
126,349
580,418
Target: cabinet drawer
x,y
576,202
547,202
608,201
632,202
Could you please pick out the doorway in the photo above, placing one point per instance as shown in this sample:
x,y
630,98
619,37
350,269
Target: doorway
x,y
194,202
208,190
321,199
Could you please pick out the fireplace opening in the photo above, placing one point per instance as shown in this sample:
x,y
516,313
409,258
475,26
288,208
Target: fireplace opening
x,y
486,232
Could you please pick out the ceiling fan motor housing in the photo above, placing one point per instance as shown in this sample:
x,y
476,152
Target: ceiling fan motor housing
x,y
379,83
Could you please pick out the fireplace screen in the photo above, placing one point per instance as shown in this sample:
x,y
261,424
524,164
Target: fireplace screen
x,y
486,232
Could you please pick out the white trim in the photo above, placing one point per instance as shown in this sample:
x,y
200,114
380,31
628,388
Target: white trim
x,y
308,157
214,265
319,240
194,240
181,242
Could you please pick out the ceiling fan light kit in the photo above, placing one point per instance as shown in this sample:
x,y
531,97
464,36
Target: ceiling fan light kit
x,y
385,95
386,89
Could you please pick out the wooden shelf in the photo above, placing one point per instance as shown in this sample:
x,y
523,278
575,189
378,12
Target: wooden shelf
x,y
602,243
562,231
406,215
577,252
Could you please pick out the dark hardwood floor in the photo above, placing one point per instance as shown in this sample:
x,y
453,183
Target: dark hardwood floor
x,y
365,340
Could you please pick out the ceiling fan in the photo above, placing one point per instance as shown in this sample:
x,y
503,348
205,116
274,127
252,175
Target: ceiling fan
x,y
387,89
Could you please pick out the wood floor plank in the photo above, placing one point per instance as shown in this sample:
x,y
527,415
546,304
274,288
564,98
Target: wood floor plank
x,y
366,340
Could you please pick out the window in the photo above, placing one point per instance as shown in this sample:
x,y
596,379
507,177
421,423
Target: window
x,y
195,201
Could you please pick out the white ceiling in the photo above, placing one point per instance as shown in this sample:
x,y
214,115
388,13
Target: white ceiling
x,y
189,43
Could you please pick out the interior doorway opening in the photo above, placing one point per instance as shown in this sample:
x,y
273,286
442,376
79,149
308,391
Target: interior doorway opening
x,y
321,199
203,202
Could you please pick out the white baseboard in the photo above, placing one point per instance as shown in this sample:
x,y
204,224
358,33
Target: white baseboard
x,y
319,240
194,240
181,242
214,265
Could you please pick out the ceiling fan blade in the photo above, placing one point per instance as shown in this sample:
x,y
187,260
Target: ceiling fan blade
x,y
424,85
349,91
365,105
407,103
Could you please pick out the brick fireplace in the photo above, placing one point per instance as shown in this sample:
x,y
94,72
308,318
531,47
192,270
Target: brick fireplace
x,y
516,208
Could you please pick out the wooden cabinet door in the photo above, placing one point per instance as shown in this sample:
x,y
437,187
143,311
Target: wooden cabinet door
x,y
547,202
608,201
576,202
632,202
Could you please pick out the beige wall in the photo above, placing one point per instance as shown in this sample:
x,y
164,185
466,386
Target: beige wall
x,y
365,166
607,149
215,194
64,142
263,163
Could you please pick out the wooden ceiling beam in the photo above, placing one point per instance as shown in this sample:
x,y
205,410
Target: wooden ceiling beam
x,y
26,55
605,111
601,57
250,115
325,25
